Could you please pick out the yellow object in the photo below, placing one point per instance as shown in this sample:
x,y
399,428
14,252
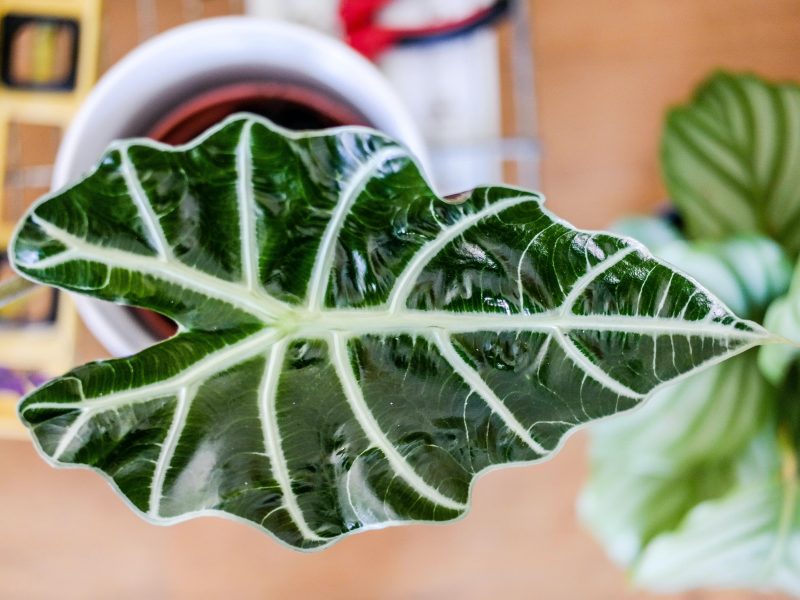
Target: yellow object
x,y
55,107
44,52
50,107
10,427
46,348
27,348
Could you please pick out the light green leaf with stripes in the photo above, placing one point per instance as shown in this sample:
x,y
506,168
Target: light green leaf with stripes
x,y
747,538
353,350
731,159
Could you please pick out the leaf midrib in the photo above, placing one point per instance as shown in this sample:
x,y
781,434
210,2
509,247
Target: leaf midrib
x,y
302,324
407,322
299,320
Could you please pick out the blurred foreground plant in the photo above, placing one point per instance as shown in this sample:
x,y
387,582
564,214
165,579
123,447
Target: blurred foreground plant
x,y
699,488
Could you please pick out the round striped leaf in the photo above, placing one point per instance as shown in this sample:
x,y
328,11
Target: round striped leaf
x,y
352,349
731,159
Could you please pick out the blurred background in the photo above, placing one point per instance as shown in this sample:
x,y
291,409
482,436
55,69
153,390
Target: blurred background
x,y
563,95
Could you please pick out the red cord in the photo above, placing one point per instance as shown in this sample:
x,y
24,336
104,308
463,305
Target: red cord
x,y
372,41
365,35
357,14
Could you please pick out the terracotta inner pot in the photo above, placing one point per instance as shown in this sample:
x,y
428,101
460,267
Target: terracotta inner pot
x,y
290,105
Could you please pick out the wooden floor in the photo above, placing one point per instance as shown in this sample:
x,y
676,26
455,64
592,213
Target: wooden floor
x,y
606,70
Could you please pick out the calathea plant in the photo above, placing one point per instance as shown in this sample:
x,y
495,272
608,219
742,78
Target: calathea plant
x,y
700,487
353,350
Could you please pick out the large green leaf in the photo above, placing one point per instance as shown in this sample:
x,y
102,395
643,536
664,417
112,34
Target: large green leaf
x,y
353,350
699,487
746,538
731,159
653,231
651,468
749,536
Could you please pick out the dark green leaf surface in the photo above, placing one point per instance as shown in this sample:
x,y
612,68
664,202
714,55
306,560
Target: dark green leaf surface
x,y
353,350
731,159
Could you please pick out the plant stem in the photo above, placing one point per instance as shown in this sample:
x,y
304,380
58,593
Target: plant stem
x,y
789,485
14,288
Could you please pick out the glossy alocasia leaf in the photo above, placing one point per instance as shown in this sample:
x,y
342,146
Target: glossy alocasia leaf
x,y
731,159
748,272
352,349
695,489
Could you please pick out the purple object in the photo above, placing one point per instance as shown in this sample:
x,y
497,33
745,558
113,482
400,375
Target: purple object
x,y
20,382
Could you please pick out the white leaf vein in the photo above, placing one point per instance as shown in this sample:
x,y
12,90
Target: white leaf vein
x,y
323,263
245,196
146,213
593,370
589,277
184,401
256,303
478,385
267,395
408,277
376,436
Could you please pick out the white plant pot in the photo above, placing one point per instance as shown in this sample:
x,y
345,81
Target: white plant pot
x,y
188,60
